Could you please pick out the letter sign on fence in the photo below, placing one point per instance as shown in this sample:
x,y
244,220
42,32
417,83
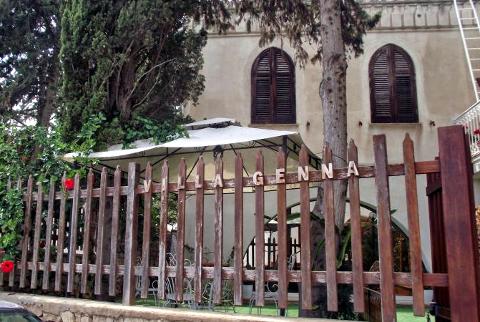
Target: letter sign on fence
x,y
147,184
327,172
303,174
352,169
280,175
218,182
258,178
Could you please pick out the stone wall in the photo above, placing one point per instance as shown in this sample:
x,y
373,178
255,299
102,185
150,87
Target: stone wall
x,y
58,309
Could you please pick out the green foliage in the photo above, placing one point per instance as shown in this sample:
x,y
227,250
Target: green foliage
x,y
142,128
298,22
130,59
28,150
355,23
29,31
35,151
11,218
172,210
126,69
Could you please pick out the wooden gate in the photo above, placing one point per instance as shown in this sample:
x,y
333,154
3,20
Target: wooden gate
x,y
74,217
453,230
441,305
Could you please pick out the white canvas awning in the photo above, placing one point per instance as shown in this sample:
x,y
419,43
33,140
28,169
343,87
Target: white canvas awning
x,y
207,138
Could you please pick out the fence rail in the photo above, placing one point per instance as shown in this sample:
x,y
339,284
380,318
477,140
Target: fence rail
x,y
111,254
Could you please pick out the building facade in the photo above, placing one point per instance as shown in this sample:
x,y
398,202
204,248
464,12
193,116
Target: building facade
x,y
412,78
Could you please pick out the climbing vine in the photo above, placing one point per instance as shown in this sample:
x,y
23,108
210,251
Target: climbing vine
x,y
35,151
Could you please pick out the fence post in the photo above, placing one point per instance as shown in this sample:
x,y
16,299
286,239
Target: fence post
x,y
437,241
131,235
459,223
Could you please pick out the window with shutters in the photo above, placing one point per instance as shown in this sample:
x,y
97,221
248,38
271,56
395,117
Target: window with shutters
x,y
393,95
273,88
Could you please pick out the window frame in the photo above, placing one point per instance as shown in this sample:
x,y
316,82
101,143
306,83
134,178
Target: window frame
x,y
395,117
273,119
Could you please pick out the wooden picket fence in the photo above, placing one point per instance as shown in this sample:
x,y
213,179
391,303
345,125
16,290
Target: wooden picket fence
x,y
127,197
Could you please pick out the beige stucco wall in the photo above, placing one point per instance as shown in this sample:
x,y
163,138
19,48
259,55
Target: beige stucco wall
x,y
443,91
443,88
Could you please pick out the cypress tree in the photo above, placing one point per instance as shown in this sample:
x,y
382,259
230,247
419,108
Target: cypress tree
x,y
29,35
131,58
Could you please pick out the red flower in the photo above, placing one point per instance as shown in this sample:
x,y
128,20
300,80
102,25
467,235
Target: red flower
x,y
69,183
6,266
476,132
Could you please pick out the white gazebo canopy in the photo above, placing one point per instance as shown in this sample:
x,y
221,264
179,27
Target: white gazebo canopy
x,y
208,138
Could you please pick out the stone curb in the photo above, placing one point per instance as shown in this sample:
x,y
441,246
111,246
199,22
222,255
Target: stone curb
x,y
80,310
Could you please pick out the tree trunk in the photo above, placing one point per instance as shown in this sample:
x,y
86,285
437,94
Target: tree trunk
x,y
124,95
334,97
46,104
48,107
334,106
47,100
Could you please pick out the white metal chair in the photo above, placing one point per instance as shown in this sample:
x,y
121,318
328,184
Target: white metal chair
x,y
271,290
227,295
152,290
270,295
171,286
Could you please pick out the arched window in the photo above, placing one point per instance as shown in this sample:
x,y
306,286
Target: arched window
x,y
273,88
393,94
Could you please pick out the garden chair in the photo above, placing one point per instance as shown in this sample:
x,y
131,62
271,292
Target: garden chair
x,y
171,286
271,290
152,290
227,295
271,295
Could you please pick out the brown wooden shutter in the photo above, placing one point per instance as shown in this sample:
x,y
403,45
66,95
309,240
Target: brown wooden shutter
x,y
392,86
381,88
273,88
284,89
404,87
262,90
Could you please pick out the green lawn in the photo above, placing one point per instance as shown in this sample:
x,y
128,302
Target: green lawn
x,y
404,313
268,309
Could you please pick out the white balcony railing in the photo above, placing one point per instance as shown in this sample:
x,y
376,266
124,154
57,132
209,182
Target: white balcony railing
x,y
470,119
406,1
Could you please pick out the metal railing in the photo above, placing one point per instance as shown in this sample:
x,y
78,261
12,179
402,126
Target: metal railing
x,y
470,119
468,46
406,1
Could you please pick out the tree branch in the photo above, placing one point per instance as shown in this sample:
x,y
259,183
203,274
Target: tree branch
x,y
147,94
144,75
